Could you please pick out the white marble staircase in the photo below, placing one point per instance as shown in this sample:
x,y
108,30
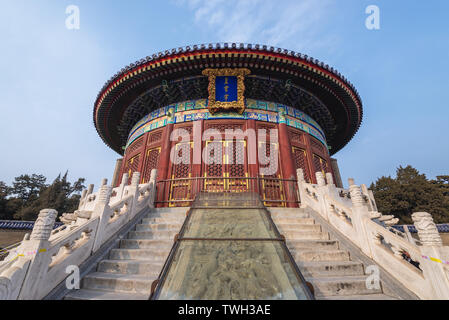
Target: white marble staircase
x,y
333,273
130,269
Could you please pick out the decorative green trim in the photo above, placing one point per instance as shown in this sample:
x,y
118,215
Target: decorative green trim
x,y
198,110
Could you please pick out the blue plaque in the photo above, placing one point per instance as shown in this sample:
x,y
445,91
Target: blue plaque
x,y
226,88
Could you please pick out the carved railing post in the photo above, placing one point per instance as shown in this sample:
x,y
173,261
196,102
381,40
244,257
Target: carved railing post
x,y
320,179
329,178
434,253
368,198
134,190
301,185
427,229
36,248
135,179
153,176
331,187
322,192
84,196
103,212
104,195
360,216
122,186
82,199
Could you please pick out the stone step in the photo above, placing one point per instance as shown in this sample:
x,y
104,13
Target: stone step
x,y
152,268
377,296
84,294
146,244
118,282
287,213
331,268
156,220
168,212
284,227
303,235
158,227
320,255
153,254
309,244
162,234
291,220
341,286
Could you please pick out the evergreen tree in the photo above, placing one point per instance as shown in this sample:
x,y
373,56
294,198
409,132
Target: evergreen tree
x,y
443,183
27,187
61,195
4,193
411,192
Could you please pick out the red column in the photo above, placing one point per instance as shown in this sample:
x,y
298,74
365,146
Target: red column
x,y
118,169
121,172
164,164
197,132
143,155
251,146
309,157
287,165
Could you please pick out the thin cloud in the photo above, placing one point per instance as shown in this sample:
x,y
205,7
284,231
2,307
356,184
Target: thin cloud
x,y
265,21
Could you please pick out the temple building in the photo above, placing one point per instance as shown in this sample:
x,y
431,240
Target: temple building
x,y
226,189
194,92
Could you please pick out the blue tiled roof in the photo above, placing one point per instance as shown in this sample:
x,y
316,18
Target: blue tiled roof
x,y
21,225
441,228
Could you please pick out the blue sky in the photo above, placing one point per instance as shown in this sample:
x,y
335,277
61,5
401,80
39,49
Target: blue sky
x,y
51,75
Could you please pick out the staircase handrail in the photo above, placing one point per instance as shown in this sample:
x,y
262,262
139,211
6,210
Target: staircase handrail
x,y
421,268
43,257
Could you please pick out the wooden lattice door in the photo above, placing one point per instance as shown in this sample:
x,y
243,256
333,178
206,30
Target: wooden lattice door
x,y
131,166
181,185
271,184
214,172
227,167
320,164
300,161
236,166
151,162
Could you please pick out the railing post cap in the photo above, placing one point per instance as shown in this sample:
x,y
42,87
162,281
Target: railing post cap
x,y
320,178
329,178
44,224
427,230
135,178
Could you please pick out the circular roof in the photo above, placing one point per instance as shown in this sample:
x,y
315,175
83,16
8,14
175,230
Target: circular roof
x,y
277,75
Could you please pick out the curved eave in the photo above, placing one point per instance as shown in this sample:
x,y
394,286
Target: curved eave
x,y
313,75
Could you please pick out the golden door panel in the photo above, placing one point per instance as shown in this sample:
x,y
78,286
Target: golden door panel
x,y
236,166
272,186
131,166
151,162
300,161
181,185
320,165
226,167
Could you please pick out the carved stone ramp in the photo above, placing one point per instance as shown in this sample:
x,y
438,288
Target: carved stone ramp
x,y
335,268
128,271
229,249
